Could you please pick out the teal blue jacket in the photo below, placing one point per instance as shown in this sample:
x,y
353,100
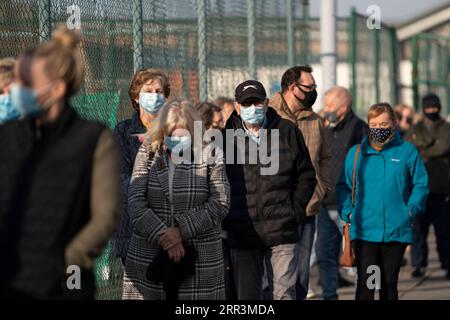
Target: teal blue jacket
x,y
391,189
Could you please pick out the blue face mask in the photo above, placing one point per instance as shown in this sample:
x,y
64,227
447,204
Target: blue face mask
x,y
177,144
25,101
253,114
7,110
151,102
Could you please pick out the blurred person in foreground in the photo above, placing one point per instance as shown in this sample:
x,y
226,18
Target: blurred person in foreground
x,y
7,110
60,189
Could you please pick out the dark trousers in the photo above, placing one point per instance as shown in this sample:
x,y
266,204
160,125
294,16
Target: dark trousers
x,y
372,256
230,288
437,212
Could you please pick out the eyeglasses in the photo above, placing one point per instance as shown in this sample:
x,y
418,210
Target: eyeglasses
x,y
311,87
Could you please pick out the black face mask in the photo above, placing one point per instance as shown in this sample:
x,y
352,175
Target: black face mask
x,y
433,116
331,116
380,135
310,98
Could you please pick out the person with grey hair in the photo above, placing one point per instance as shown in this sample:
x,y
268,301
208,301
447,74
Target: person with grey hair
x,y
344,129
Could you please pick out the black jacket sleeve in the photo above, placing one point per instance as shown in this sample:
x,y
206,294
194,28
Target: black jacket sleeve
x,y
305,174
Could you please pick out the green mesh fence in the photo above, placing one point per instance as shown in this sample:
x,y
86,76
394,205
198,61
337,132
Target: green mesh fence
x,y
431,68
230,48
372,58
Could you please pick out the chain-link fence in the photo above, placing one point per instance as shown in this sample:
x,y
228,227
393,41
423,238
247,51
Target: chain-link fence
x,y
431,68
373,62
205,46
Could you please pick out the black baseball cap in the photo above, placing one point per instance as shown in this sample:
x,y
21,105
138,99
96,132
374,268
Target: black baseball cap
x,y
250,89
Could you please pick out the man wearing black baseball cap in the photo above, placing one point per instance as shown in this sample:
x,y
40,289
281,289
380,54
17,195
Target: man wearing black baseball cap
x,y
265,209
432,137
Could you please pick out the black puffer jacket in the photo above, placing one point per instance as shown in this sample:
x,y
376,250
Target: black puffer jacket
x,y
266,209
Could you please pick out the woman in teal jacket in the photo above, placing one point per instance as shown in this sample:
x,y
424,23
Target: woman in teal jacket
x,y
391,188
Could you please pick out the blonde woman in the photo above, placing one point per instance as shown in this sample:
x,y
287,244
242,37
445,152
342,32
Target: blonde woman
x,y
174,207
60,187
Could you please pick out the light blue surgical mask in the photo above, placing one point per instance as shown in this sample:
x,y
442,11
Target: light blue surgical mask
x,y
177,144
25,100
7,110
151,102
253,114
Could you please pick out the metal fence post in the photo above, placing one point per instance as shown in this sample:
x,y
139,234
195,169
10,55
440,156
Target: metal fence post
x,y
415,49
44,20
202,47
328,54
304,38
352,44
376,42
138,59
251,38
290,31
185,65
394,67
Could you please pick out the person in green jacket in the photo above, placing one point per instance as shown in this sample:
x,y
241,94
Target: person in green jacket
x,y
432,137
391,188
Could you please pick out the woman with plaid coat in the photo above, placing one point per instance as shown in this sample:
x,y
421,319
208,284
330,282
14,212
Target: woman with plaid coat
x,y
172,205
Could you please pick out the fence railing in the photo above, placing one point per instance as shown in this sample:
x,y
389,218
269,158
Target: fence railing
x,y
431,68
374,64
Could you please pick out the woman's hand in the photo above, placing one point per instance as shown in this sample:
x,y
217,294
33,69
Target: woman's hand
x,y
176,252
169,238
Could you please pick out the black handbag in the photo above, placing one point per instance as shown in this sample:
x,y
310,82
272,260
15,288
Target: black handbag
x,y
170,273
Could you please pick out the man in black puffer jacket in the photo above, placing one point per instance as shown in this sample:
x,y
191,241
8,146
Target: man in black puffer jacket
x,y
269,194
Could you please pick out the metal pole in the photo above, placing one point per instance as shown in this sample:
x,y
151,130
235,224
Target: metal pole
x,y
290,31
185,65
305,33
376,39
353,52
415,49
394,73
138,35
251,38
328,42
44,20
201,31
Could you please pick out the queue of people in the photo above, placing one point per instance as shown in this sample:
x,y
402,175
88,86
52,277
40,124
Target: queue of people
x,y
232,215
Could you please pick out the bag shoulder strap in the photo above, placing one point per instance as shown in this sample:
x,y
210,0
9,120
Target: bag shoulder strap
x,y
358,149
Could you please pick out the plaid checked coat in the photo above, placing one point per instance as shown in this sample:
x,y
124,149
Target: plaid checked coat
x,y
201,196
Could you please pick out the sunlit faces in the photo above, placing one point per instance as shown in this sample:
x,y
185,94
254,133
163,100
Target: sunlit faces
x,y
381,121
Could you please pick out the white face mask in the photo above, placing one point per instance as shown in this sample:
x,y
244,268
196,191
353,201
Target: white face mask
x,y
253,114
151,102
